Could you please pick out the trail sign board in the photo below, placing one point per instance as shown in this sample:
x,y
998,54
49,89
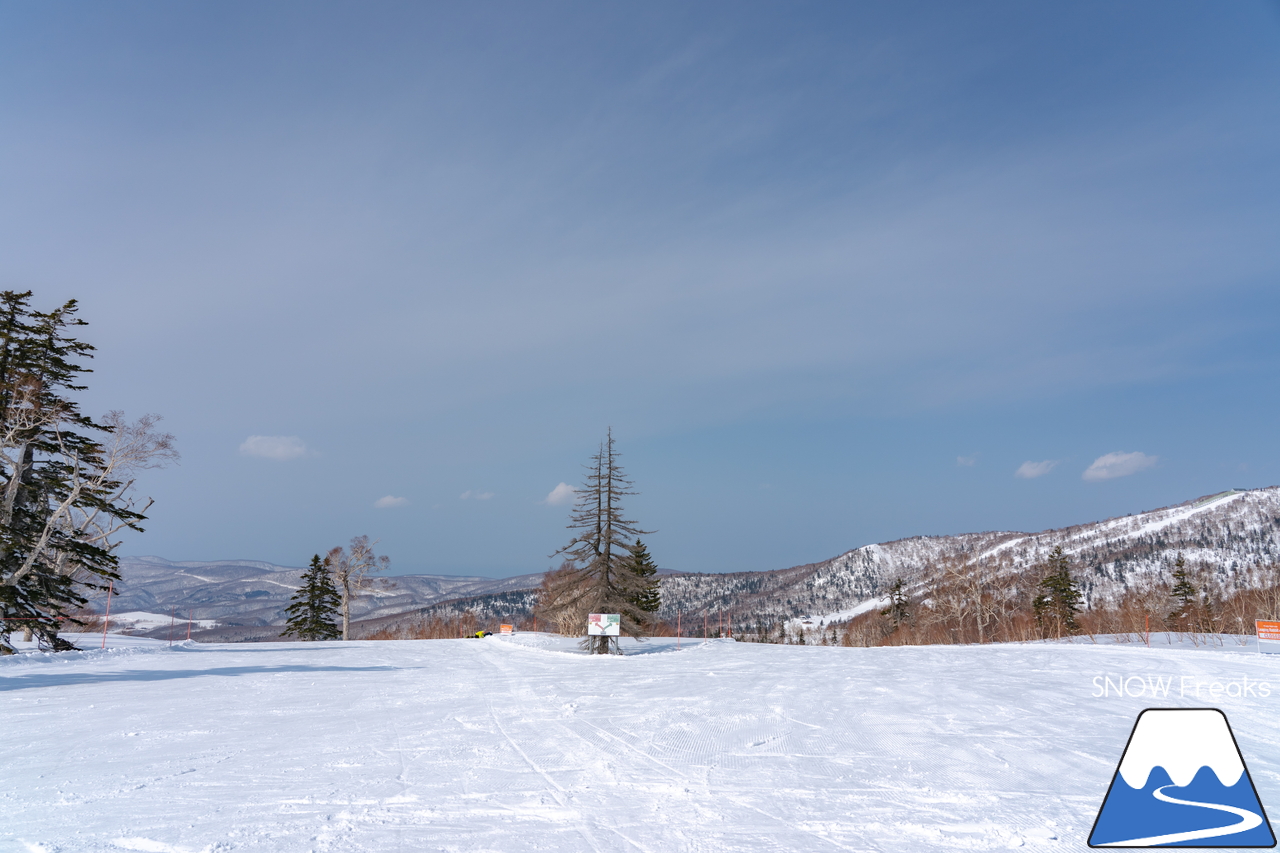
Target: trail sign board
x,y
1268,637
507,629
604,625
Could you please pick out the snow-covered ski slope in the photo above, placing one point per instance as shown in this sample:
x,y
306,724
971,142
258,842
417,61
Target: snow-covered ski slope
x,y
519,744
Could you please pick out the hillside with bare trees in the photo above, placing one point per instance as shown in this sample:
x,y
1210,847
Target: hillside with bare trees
x,y
980,587
975,587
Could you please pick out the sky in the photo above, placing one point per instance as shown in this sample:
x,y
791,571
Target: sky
x,y
833,273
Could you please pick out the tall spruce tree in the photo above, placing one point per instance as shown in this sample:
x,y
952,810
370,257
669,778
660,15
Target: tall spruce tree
x,y
1059,600
596,577
1183,590
899,609
315,608
648,598
60,491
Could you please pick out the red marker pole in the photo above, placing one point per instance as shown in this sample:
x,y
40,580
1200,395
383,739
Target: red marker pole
x,y
172,613
188,624
106,619
678,615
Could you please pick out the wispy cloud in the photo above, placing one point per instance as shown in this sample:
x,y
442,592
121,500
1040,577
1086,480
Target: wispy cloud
x,y
389,502
1114,465
560,495
470,495
967,461
1031,470
278,447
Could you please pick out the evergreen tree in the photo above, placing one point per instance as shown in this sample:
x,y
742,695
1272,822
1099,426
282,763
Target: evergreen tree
x,y
62,493
648,598
596,577
899,609
314,609
1059,600
1183,590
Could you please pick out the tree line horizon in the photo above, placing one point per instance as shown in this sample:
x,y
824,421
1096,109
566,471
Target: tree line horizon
x,y
68,492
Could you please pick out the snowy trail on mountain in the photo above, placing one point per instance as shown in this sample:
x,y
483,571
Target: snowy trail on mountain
x,y
521,744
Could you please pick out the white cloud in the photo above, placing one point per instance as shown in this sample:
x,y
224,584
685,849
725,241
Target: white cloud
x,y
278,447
560,495
469,495
1114,465
389,502
1031,470
967,461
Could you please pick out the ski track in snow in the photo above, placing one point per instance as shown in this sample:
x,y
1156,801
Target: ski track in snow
x,y
1157,520
521,744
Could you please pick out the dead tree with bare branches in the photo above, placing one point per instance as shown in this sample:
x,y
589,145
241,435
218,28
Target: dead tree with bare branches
x,y
350,570
598,557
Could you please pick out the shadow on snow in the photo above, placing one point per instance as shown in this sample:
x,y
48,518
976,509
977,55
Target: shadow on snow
x,y
51,679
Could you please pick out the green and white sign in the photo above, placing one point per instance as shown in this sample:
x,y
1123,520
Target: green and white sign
x,y
604,625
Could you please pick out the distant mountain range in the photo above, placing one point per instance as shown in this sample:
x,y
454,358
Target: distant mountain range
x,y
1235,534
246,596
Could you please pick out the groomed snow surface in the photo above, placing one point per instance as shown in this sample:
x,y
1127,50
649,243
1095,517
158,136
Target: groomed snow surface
x,y
522,744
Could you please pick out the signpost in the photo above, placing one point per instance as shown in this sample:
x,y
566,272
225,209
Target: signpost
x,y
506,629
1268,637
607,625
604,625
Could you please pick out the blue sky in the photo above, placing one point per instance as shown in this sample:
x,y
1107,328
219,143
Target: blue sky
x,y
832,272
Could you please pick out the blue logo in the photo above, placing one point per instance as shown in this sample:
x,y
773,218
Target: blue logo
x,y
1182,782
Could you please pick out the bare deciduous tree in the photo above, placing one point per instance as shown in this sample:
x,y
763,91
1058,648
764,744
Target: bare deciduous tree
x,y
350,570
562,601
133,447
98,499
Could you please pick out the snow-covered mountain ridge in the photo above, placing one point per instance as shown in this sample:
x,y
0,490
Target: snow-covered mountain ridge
x,y
255,593
1233,534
